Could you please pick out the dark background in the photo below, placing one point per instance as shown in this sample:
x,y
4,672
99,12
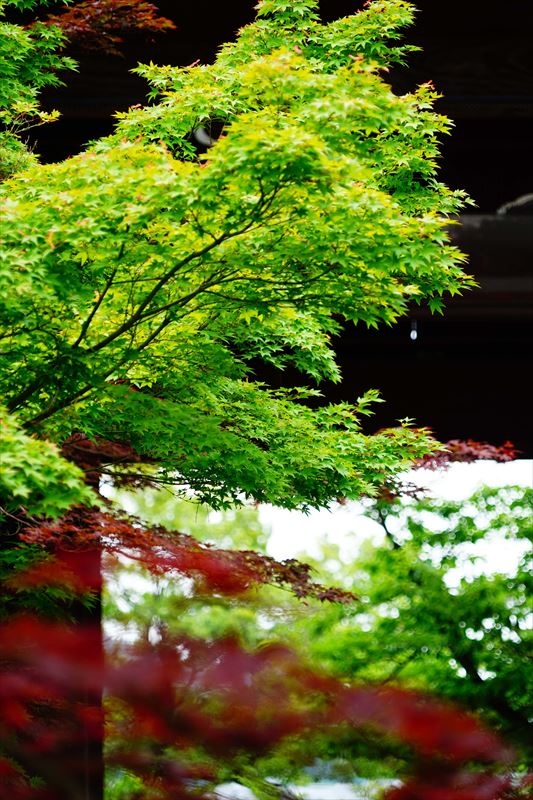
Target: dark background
x,y
467,373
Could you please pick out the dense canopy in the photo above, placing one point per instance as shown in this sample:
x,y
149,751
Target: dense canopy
x,y
140,277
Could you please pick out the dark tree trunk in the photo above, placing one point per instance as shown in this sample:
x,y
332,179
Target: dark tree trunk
x,y
87,757
75,772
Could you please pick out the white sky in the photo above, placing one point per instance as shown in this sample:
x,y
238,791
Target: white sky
x,y
294,533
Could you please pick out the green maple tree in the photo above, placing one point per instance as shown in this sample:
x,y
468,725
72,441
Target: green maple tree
x,y
140,278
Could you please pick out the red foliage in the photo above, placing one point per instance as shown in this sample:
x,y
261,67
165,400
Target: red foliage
x,y
433,728
186,693
101,25
75,572
214,570
48,673
468,451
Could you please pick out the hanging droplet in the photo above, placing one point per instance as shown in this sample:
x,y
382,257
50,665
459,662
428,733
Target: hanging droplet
x,y
414,330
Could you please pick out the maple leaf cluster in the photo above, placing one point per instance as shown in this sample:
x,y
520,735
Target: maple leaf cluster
x,y
468,451
102,25
179,704
161,552
184,694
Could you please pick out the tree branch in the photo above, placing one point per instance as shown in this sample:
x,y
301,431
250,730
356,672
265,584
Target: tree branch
x,y
137,316
98,303
383,522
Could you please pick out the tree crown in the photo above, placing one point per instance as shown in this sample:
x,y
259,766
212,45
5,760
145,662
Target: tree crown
x,y
142,278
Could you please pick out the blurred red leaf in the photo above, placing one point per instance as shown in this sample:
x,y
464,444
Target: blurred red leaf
x,y
188,693
433,728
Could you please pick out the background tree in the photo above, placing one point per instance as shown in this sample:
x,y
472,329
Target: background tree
x,y
430,616
437,612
